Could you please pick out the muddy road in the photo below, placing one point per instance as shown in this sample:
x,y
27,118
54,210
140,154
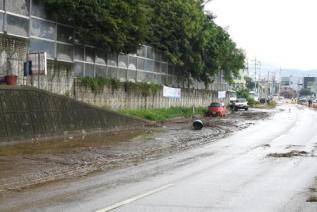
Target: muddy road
x,y
265,165
26,164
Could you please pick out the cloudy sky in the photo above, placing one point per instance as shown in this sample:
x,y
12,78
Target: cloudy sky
x,y
279,32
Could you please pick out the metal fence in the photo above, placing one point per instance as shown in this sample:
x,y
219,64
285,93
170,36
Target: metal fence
x,y
60,75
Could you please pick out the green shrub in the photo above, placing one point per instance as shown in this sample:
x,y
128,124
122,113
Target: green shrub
x,y
272,104
97,85
243,93
115,84
165,113
141,88
251,101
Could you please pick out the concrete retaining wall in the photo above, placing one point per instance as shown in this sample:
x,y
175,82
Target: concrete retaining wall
x,y
121,99
28,113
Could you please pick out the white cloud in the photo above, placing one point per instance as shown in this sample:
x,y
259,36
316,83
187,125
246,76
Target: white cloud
x,y
282,32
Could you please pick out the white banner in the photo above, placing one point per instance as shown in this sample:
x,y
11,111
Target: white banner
x,y
171,92
221,94
39,63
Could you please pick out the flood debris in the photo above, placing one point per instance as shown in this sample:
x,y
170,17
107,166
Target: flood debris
x,y
255,115
312,192
198,125
292,146
312,199
293,153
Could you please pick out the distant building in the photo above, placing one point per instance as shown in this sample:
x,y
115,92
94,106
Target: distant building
x,y
310,83
239,82
288,92
295,83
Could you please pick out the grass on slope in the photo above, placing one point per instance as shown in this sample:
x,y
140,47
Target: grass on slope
x,y
166,113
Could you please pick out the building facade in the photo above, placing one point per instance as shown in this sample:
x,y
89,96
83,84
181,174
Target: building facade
x,y
310,83
295,83
239,82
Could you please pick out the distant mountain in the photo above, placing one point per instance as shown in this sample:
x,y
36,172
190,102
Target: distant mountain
x,y
271,69
299,73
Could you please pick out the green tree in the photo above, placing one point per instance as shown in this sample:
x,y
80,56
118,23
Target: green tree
x,y
230,58
188,35
243,93
176,28
250,84
112,25
192,41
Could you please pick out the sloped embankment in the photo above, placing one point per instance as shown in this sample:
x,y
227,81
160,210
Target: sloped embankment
x,y
27,113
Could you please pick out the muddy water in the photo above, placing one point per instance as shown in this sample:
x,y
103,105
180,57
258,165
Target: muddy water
x,y
57,157
65,145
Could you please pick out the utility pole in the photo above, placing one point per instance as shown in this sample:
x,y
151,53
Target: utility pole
x,y
268,83
257,65
279,87
268,76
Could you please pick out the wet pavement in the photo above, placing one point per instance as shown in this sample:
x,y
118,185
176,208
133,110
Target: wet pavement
x,y
247,171
24,165
257,165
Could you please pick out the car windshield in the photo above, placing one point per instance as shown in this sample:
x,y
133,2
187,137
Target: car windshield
x,y
241,100
215,104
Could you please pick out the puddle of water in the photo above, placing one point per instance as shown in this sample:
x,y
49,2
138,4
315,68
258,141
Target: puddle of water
x,y
66,144
149,134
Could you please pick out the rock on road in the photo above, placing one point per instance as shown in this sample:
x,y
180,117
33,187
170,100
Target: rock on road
x,y
270,166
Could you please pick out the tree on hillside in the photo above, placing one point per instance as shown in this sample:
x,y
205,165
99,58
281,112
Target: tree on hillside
x,y
228,57
115,26
221,54
192,41
175,28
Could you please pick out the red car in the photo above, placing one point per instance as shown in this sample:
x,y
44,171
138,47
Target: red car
x,y
216,109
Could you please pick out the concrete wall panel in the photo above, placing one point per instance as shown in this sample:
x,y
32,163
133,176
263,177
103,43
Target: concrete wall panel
x,y
29,113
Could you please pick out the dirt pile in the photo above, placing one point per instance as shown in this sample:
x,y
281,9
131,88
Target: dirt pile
x,y
312,199
293,153
313,192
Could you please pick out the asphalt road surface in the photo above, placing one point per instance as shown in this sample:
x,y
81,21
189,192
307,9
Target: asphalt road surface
x,y
270,166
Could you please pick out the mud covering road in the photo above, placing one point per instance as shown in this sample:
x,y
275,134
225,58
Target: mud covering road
x,y
25,165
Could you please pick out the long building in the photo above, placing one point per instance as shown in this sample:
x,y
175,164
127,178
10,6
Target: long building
x,y
25,28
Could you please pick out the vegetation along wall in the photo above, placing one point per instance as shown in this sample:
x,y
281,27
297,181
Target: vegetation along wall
x,y
127,95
